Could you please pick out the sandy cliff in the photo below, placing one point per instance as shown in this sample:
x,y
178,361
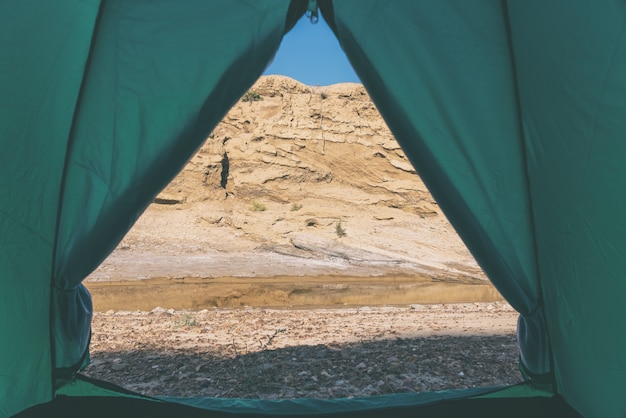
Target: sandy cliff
x,y
297,181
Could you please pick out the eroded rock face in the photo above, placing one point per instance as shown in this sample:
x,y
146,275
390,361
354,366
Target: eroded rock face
x,y
294,161
296,142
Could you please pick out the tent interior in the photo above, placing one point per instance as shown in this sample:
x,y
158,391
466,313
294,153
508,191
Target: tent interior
x,y
513,114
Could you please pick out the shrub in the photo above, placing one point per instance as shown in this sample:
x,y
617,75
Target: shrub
x,y
258,207
339,229
295,207
187,321
251,96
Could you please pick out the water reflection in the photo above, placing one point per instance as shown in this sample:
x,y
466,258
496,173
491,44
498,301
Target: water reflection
x,y
283,291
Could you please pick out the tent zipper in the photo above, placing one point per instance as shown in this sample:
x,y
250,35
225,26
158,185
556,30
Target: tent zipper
x,y
312,12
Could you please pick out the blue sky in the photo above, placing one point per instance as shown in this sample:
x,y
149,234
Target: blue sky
x,y
311,54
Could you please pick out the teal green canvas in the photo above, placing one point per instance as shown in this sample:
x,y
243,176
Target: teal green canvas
x,y
101,103
42,59
449,97
572,82
304,406
514,115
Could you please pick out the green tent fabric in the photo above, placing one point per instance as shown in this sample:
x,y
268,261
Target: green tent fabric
x,y
91,399
450,115
514,113
102,103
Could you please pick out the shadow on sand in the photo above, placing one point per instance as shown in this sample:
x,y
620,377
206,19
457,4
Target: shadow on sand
x,y
320,371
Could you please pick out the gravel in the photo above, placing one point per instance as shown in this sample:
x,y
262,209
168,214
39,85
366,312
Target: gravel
x,y
323,353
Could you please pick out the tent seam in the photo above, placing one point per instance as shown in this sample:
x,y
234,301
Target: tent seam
x,y
516,89
69,147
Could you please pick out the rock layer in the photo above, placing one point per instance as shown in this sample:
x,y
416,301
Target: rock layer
x,y
303,176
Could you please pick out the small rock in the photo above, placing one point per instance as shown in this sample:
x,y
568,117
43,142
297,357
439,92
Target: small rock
x,y
158,311
118,367
370,390
325,374
311,222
